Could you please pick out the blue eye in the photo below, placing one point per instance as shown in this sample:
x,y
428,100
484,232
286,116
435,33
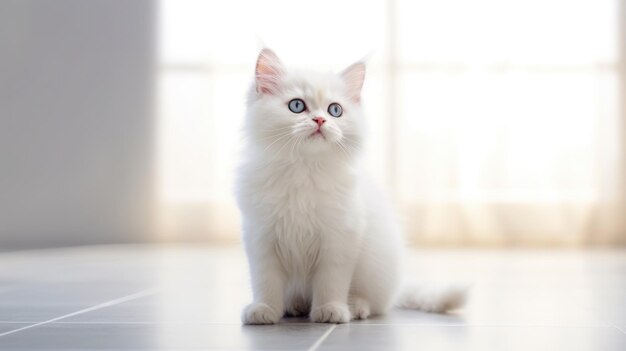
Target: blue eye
x,y
296,105
335,110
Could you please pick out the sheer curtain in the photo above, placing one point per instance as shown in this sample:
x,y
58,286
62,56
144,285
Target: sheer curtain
x,y
492,122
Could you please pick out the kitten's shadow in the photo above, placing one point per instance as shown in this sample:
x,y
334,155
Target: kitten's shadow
x,y
294,320
397,316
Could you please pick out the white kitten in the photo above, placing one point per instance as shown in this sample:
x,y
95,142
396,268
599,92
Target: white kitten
x,y
320,239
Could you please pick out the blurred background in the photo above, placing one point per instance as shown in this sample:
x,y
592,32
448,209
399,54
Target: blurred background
x,y
493,123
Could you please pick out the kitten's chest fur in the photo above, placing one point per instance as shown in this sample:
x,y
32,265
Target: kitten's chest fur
x,y
303,205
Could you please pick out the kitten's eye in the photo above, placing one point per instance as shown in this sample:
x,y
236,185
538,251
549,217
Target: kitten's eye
x,y
335,109
296,105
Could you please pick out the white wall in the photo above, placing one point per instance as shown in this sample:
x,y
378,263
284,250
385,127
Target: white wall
x,y
76,121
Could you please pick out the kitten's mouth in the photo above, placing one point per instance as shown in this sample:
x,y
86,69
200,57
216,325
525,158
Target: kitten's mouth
x,y
317,134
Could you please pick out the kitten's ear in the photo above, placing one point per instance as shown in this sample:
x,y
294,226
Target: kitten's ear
x,y
268,72
354,77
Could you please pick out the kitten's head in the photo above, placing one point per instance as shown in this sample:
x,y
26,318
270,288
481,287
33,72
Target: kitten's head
x,y
296,114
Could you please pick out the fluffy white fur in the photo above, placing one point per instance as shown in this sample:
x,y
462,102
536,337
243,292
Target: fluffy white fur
x,y
320,239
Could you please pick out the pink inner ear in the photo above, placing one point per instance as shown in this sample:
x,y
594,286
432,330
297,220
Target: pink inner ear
x,y
354,76
269,70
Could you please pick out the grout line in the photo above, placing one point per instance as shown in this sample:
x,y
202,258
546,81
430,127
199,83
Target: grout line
x,y
155,323
93,308
322,338
620,329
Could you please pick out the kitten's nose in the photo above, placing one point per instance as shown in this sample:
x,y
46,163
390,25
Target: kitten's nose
x,y
319,121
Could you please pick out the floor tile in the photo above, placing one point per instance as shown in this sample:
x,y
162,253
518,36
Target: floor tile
x,y
166,309
539,299
181,336
405,337
43,301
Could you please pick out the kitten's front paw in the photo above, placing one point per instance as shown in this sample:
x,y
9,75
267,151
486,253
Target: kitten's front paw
x,y
259,313
332,312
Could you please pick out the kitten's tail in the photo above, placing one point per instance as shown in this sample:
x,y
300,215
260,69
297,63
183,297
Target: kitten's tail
x,y
435,299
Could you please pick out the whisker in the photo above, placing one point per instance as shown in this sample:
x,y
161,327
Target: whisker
x,y
282,147
282,137
343,149
347,138
293,147
273,136
274,130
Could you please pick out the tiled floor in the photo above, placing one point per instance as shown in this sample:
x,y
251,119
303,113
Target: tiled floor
x,y
189,297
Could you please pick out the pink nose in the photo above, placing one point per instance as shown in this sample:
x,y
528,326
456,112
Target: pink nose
x,y
319,121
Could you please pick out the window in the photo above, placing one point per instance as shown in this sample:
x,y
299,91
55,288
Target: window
x,y
481,111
